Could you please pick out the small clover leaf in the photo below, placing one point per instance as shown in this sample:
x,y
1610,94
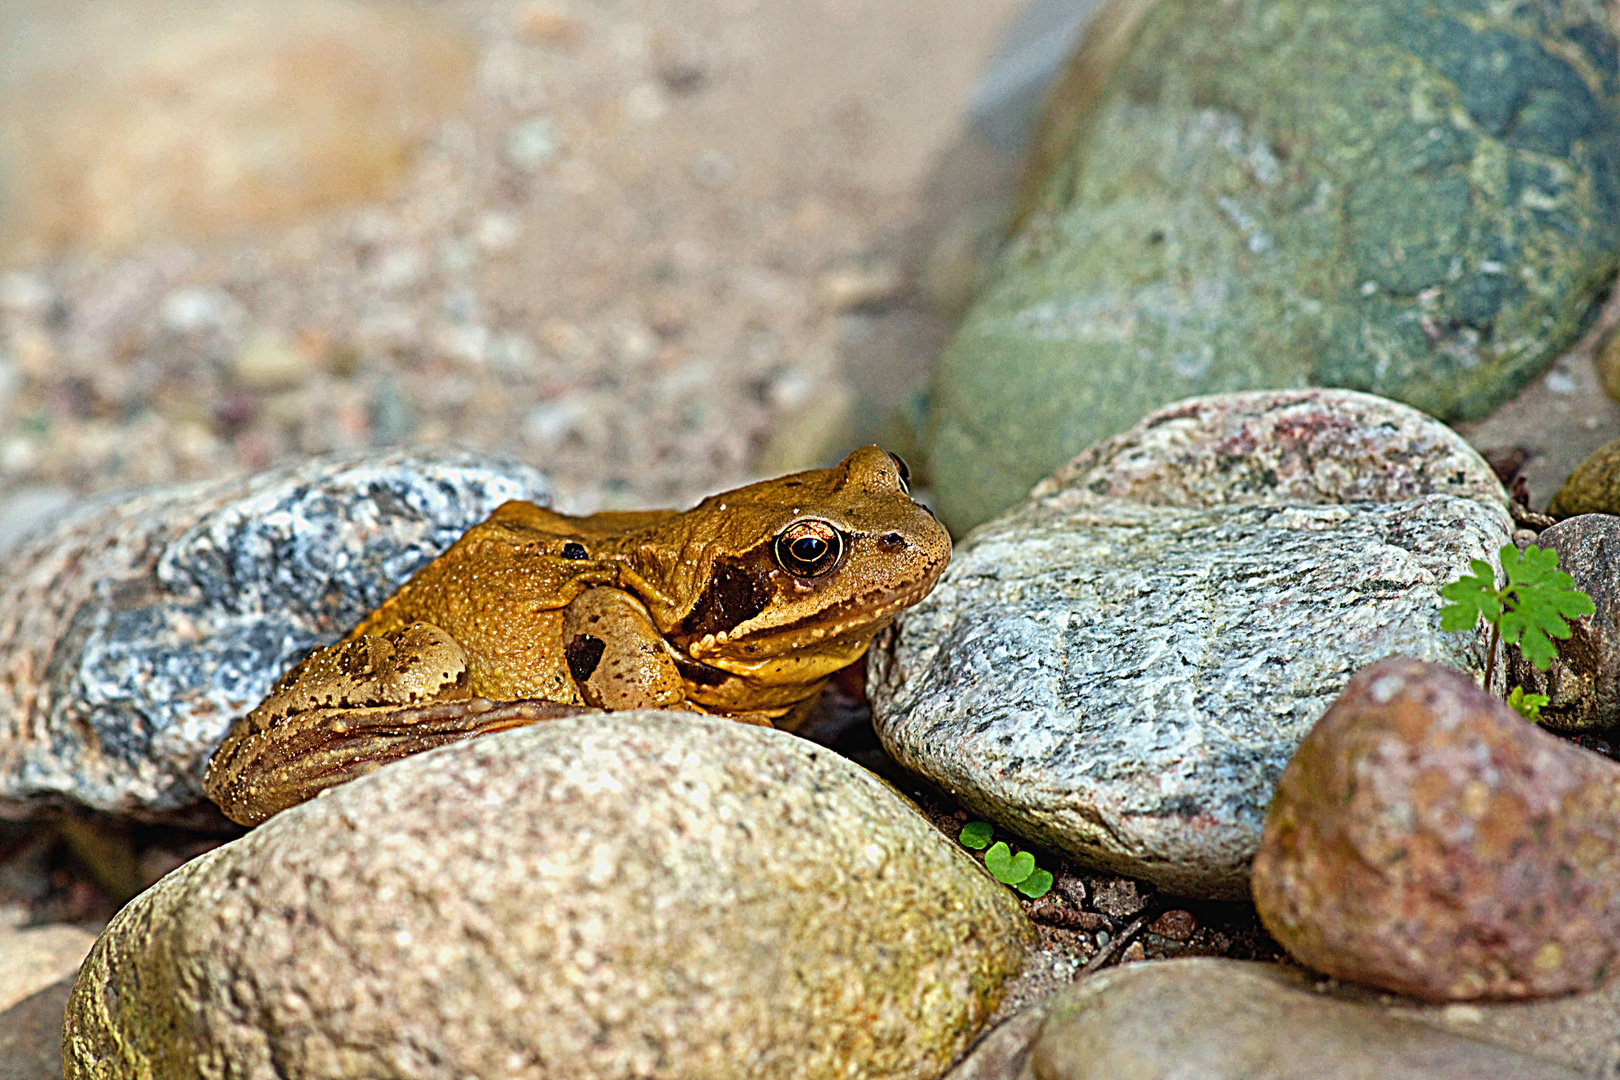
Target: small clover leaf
x,y
1007,868
1527,705
976,835
1037,885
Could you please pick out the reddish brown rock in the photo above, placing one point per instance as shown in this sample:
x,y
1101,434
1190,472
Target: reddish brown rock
x,y
1426,839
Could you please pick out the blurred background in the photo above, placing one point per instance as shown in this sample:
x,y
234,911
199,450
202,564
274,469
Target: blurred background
x,y
653,248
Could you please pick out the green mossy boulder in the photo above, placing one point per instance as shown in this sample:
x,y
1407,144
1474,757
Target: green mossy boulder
x,y
1416,199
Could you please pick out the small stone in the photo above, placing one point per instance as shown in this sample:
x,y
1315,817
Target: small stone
x,y
1594,486
1235,1020
498,232
533,142
1583,683
647,102
187,311
1176,924
543,24
850,288
1118,898
137,628
633,894
267,363
1426,840
1119,669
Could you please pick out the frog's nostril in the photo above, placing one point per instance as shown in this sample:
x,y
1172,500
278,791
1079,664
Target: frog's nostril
x,y
892,541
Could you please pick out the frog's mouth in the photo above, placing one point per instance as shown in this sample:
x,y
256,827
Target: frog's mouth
x,y
847,624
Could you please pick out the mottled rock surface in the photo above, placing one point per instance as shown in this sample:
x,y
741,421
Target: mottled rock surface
x,y
1426,840
1583,682
137,628
1231,1020
183,119
1120,668
1421,200
634,894
1594,486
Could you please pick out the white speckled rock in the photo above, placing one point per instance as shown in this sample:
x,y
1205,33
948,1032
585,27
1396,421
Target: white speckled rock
x,y
1120,668
630,895
138,627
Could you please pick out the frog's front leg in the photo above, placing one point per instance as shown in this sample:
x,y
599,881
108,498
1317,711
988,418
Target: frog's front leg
x,y
349,709
616,655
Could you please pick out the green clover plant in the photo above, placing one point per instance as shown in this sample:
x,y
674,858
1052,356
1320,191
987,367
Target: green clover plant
x,y
1018,871
1529,610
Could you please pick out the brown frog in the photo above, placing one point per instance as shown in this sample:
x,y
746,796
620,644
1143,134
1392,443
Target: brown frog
x,y
742,606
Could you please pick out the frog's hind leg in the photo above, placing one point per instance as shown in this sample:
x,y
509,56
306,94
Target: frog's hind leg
x,y
349,709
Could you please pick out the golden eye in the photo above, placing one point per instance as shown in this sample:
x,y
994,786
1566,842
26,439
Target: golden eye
x,y
809,548
904,471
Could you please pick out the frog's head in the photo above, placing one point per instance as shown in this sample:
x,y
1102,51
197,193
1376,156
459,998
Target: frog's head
x,y
786,580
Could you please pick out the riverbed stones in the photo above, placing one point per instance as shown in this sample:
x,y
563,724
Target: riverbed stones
x,y
629,894
1425,839
137,628
1234,1020
1417,200
1120,668
180,120
1582,683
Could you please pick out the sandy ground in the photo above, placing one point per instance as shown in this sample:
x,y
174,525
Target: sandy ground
x,y
662,248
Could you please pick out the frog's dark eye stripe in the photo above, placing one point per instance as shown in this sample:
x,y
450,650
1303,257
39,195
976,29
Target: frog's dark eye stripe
x,y
808,548
903,469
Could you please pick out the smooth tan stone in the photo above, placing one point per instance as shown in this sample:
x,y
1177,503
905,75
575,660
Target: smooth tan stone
x,y
635,894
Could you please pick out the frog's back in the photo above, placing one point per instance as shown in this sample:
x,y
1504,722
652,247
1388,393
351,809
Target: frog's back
x,y
499,592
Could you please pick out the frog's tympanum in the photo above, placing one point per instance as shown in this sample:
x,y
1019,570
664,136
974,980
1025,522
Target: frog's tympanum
x,y
742,606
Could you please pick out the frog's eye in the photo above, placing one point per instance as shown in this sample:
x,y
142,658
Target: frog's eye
x,y
809,548
901,467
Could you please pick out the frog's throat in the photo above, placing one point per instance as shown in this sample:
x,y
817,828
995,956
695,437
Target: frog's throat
x,y
853,622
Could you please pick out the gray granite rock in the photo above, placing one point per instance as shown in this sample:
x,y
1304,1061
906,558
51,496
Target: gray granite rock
x,y
1421,200
1120,668
633,894
1583,683
137,628
1231,1020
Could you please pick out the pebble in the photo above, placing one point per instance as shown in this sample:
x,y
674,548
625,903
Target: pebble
x,y
1222,200
533,142
1425,839
1119,669
268,364
1235,1020
138,627
632,894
